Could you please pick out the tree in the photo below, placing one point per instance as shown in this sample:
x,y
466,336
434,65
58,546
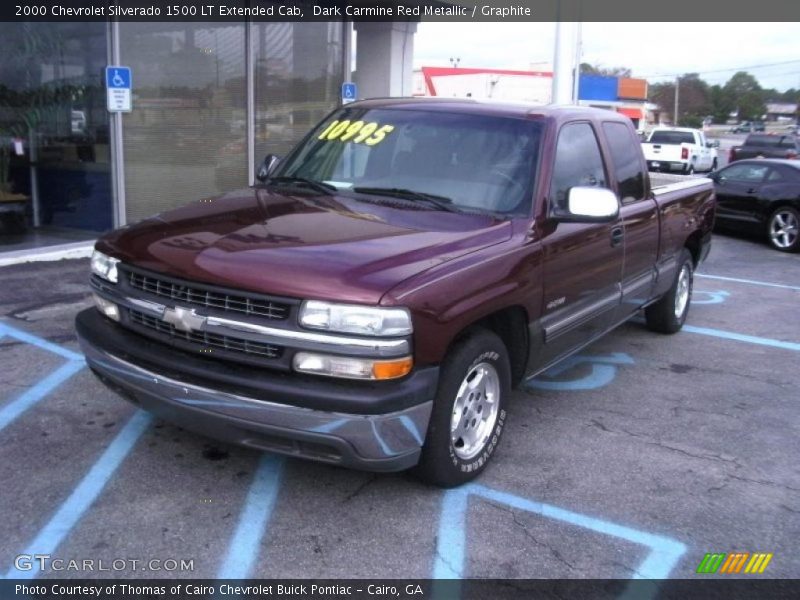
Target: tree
x,y
588,69
746,94
722,103
694,102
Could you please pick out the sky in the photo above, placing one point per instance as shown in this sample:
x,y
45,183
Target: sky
x,y
655,51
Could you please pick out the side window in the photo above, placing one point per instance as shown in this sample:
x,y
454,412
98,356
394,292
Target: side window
x,y
578,163
774,176
626,155
747,172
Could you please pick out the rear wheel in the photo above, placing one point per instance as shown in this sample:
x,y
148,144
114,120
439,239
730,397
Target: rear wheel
x,y
689,169
669,313
782,229
469,412
714,165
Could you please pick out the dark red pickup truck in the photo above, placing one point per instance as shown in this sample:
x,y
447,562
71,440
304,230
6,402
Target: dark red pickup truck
x,y
374,300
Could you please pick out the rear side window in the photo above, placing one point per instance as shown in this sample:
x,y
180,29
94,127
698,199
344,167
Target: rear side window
x,y
672,137
578,163
626,155
771,141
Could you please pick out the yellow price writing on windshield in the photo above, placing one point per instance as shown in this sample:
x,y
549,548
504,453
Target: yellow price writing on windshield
x,y
356,131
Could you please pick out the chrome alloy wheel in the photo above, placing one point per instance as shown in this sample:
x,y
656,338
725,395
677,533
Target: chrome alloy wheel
x,y
475,411
783,229
682,291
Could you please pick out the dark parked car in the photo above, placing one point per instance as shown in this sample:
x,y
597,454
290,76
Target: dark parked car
x,y
747,127
761,196
766,145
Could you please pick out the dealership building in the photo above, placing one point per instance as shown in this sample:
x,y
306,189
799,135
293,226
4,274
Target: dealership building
x,y
209,101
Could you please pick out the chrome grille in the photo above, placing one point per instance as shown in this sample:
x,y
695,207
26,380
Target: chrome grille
x,y
204,338
199,296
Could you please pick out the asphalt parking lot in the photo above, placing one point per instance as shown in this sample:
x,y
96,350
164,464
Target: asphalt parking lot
x,y
634,459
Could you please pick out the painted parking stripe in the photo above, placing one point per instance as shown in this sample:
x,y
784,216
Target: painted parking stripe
x,y
34,340
750,281
34,394
84,495
451,547
257,512
44,386
740,337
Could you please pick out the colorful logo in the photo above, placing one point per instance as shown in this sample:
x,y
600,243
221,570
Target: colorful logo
x,y
733,563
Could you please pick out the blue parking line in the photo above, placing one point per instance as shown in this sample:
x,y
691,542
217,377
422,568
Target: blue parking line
x,y
34,394
257,512
740,337
87,491
28,338
44,386
452,538
750,281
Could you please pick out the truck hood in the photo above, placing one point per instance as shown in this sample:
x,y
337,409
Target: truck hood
x,y
304,246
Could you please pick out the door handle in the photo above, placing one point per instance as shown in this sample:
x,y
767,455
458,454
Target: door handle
x,y
617,234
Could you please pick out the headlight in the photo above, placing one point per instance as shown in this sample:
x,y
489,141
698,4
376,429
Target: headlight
x,y
104,266
351,368
352,318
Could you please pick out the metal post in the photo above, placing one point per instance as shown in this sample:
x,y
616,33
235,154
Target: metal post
x,y
564,63
115,130
677,85
250,110
34,157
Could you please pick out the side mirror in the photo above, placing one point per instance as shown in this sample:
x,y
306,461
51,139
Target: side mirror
x,y
592,204
267,167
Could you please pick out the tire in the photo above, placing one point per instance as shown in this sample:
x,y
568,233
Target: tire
x,y
689,169
714,165
668,314
448,462
783,229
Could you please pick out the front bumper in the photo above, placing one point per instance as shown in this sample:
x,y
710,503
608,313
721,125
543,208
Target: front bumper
x,y
382,429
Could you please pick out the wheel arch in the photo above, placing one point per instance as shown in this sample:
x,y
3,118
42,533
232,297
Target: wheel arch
x,y
510,324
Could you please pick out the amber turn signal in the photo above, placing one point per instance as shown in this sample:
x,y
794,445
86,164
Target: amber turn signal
x,y
392,369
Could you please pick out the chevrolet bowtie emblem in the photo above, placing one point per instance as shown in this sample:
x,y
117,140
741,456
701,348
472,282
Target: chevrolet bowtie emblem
x,y
184,319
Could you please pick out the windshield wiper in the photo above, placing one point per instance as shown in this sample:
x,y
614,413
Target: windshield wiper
x,y
440,202
319,186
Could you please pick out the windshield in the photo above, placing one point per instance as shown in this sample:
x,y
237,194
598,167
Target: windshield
x,y
471,163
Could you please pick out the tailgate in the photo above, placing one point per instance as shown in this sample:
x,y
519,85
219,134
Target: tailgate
x,y
665,152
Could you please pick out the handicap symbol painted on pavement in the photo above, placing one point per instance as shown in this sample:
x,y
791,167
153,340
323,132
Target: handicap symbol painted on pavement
x,y
703,297
603,371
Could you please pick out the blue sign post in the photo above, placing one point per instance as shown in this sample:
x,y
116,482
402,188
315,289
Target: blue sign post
x,y
349,92
118,89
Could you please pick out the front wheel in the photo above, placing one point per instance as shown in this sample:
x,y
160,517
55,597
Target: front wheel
x,y
783,229
669,313
469,411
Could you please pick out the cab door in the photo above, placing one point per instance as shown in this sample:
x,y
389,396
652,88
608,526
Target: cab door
x,y
737,188
639,214
582,261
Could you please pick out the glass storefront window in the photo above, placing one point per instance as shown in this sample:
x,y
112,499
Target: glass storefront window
x,y
298,76
186,138
55,178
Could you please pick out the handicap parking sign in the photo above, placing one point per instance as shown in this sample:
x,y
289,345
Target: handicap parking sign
x,y
118,88
349,92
